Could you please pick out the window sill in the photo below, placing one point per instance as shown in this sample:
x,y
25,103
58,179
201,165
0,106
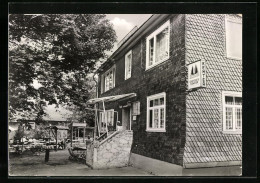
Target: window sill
x,y
150,67
127,78
232,132
155,130
107,90
234,58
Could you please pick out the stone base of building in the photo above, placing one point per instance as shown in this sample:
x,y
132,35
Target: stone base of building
x,y
212,164
114,151
154,166
213,171
161,168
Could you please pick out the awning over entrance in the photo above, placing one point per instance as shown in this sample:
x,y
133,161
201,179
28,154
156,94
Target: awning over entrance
x,y
111,98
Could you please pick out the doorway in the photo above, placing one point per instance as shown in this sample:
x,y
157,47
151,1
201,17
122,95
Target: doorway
x,y
126,118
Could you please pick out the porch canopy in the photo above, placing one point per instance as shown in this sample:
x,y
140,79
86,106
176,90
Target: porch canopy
x,y
111,98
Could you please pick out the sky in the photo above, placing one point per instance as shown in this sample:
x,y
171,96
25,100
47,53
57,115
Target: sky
x,y
123,24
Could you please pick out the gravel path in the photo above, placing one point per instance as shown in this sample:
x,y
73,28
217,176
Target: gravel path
x,y
60,165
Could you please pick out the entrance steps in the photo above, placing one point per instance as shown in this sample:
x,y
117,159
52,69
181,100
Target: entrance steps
x,y
113,151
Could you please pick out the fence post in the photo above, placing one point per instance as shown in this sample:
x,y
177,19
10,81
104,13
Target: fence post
x,y
47,154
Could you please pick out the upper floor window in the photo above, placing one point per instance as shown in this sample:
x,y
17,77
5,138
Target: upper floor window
x,y
108,79
128,65
233,38
156,113
157,46
232,112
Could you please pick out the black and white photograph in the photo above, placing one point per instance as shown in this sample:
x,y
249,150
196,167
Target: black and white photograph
x,y
125,94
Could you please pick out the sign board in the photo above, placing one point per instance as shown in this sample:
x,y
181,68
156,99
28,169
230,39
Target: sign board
x,y
136,108
197,74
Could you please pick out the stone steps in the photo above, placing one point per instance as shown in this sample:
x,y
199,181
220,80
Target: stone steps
x,y
114,151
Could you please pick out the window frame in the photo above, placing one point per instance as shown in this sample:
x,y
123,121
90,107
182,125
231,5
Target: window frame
x,y
233,20
152,97
102,113
231,94
103,79
126,64
153,36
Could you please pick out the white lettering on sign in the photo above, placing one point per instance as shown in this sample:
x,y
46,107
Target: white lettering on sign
x,y
194,81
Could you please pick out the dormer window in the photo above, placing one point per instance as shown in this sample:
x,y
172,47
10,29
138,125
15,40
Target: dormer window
x,y
157,46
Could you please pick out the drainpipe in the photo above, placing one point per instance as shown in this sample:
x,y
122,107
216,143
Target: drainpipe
x,y
95,73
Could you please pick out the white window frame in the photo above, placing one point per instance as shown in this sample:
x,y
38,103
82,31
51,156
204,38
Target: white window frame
x,y
233,20
103,79
103,128
224,105
128,74
152,97
153,35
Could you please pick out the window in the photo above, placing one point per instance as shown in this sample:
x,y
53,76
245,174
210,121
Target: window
x,y
156,113
233,38
128,65
157,46
232,112
109,114
108,79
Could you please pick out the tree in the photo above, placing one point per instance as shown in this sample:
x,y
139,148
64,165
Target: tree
x,y
58,51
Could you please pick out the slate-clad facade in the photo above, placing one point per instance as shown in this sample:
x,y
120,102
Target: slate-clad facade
x,y
205,140
193,132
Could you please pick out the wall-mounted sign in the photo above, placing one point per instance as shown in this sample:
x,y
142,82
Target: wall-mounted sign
x,y
136,108
134,118
197,74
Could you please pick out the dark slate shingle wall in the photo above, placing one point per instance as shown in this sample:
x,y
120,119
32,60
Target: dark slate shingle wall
x,y
205,141
168,77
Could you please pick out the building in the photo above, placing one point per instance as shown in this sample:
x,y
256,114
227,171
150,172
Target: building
x,y
31,125
176,82
46,122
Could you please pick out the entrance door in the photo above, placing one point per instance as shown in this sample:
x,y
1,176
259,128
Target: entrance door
x,y
126,118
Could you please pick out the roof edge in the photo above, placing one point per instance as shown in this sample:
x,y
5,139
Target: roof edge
x,y
135,37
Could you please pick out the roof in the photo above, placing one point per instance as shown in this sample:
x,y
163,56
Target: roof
x,y
58,127
44,121
12,129
111,98
127,36
75,124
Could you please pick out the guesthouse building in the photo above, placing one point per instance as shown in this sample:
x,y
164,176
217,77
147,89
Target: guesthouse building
x,y
175,84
